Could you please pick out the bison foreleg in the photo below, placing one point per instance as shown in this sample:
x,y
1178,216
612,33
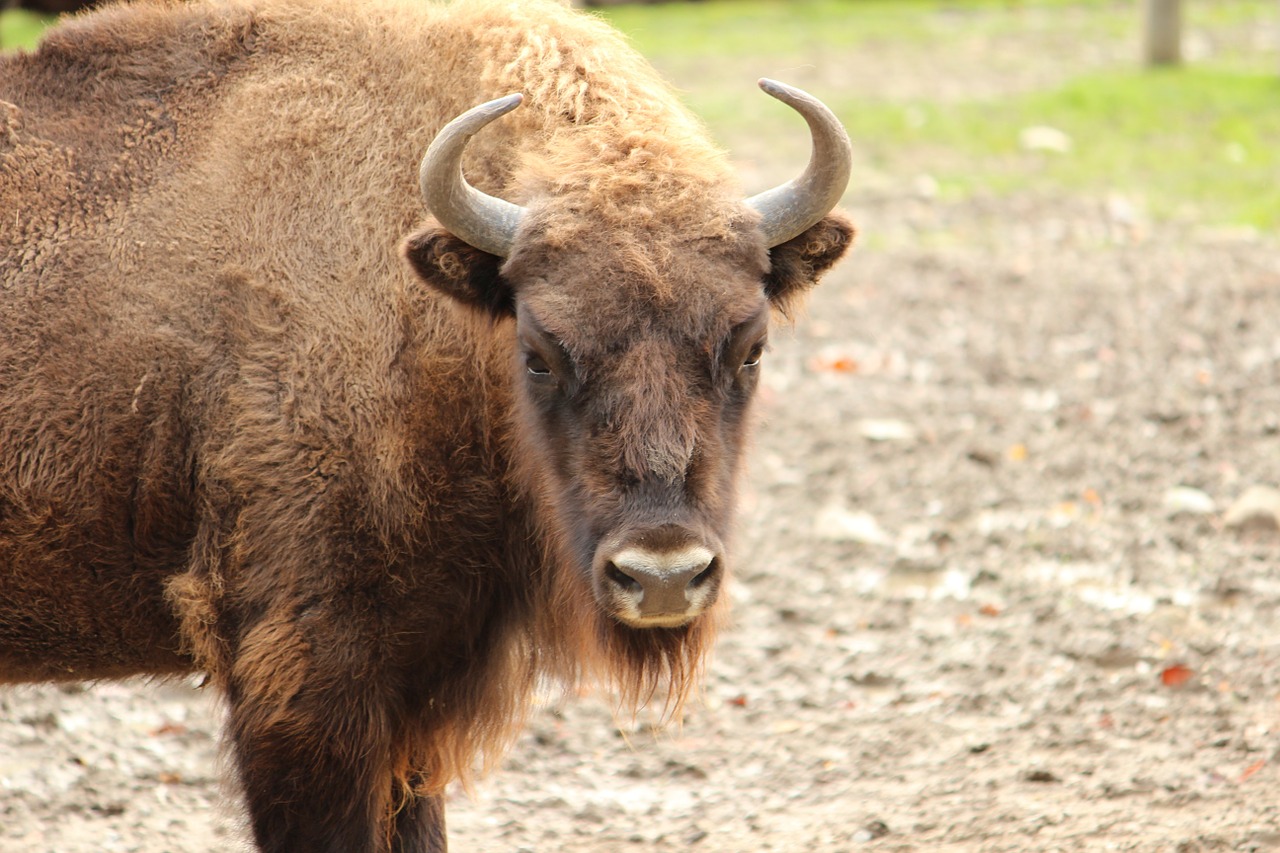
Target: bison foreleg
x,y
311,782
419,827
312,726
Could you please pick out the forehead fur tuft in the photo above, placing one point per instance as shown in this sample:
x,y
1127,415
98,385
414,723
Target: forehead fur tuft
x,y
617,150
636,181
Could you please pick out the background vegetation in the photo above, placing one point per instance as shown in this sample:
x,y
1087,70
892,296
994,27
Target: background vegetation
x,y
20,28
1061,106
1197,142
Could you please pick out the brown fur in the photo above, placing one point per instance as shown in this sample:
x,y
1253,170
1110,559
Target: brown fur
x,y
239,434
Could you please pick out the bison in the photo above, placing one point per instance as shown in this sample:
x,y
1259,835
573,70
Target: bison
x,y
377,474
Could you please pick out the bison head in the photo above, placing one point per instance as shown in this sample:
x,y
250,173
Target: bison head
x,y
636,350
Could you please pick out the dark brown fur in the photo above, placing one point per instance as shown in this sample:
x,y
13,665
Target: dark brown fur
x,y
239,434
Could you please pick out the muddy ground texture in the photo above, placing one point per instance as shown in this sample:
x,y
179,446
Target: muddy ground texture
x,y
1005,581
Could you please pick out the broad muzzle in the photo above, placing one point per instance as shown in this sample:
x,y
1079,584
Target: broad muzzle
x,y
661,578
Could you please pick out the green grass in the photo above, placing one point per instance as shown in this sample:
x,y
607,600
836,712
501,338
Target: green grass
x,y
736,27
1186,143
21,29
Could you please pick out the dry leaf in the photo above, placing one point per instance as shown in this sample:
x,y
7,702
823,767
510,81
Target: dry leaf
x,y
1253,768
1176,675
833,364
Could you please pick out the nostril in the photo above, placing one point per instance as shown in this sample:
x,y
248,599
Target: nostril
x,y
705,575
622,579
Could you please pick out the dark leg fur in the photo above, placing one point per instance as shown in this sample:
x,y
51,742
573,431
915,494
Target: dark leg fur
x,y
307,795
314,767
331,821
316,775
420,827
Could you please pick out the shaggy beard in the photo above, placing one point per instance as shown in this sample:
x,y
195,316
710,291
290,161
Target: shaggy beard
x,y
556,631
568,638
642,667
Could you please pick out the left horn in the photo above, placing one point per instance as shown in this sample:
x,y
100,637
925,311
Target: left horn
x,y
790,209
487,223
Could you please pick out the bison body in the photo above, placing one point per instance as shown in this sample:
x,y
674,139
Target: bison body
x,y
375,476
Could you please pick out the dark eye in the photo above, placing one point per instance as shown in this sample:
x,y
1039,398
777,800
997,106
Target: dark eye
x,y
753,357
536,366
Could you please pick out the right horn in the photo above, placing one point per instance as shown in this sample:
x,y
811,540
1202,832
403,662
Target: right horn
x,y
790,209
478,219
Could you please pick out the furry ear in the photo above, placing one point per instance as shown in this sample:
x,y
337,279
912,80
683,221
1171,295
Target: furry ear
x,y
796,265
459,271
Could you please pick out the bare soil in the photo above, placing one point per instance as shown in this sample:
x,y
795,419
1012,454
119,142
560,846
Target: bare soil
x,y
985,598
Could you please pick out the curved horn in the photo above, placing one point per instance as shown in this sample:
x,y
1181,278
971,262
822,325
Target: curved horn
x,y
788,210
480,220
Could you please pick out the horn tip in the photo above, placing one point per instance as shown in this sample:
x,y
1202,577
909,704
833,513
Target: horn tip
x,y
508,103
789,95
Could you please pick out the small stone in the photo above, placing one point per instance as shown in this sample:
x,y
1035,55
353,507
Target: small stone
x,y
1040,399
871,831
985,458
1115,656
1184,500
1044,138
1122,211
1258,507
884,429
926,186
842,525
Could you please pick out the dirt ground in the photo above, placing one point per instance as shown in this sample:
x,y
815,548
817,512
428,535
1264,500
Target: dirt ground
x,y
995,589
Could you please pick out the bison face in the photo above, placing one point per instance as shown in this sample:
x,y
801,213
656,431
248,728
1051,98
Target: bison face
x,y
636,404
633,364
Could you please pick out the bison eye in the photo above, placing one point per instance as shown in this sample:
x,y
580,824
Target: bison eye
x,y
537,368
753,357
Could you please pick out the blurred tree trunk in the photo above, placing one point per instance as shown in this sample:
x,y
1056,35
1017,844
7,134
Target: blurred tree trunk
x,y
1162,32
